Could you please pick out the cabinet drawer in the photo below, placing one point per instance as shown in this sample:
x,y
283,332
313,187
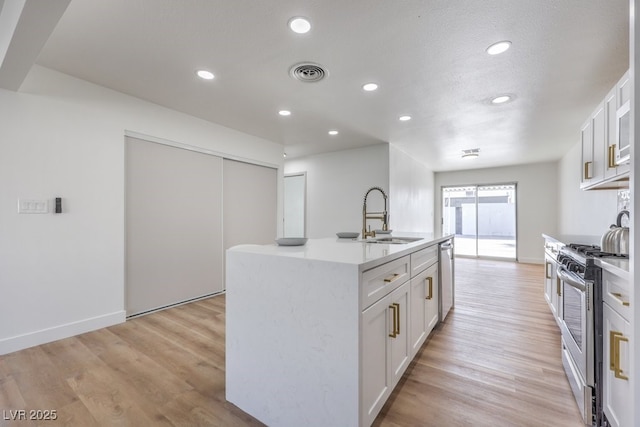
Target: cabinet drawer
x,y
616,293
423,258
379,281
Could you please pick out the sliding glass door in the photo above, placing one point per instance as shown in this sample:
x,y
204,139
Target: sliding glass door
x,y
483,219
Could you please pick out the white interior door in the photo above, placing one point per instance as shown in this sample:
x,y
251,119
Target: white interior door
x,y
173,225
295,193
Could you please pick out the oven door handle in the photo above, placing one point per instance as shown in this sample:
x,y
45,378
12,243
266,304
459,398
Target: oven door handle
x,y
563,274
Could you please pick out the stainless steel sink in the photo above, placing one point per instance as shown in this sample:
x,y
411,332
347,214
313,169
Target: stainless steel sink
x,y
394,240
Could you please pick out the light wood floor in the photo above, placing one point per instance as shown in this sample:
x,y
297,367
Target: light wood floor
x,y
495,361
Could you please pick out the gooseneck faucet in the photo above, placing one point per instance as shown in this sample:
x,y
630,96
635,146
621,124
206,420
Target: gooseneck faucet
x,y
383,216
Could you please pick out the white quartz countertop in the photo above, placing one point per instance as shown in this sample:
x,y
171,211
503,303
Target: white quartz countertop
x,y
566,239
619,267
347,251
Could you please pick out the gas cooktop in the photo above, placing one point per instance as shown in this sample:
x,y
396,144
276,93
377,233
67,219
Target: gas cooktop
x,y
591,251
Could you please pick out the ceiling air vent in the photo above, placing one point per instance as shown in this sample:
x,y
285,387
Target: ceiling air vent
x,y
308,72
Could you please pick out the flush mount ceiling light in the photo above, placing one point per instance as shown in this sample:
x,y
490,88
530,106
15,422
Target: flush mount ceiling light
x,y
501,99
470,153
499,47
333,132
205,75
284,112
284,155
404,118
299,25
369,87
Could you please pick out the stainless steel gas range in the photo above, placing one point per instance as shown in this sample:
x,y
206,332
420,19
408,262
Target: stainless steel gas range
x,y
580,282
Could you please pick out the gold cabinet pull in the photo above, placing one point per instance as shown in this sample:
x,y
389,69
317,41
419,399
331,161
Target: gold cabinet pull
x,y
611,156
615,338
430,284
392,278
546,269
587,170
397,314
558,287
612,353
618,296
395,308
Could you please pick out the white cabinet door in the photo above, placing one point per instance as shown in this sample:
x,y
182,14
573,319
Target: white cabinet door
x,y
599,143
385,349
399,344
377,325
552,287
548,280
432,298
586,137
593,136
623,96
424,306
616,388
610,110
417,328
623,89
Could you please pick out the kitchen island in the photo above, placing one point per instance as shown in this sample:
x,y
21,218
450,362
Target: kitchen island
x,y
319,335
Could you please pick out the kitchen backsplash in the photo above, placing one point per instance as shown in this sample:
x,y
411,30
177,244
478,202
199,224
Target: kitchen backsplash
x,y
624,202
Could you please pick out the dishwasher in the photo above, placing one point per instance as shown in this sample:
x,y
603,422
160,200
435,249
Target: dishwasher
x,y
446,278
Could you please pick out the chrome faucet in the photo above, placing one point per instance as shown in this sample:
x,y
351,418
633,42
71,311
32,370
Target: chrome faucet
x,y
383,216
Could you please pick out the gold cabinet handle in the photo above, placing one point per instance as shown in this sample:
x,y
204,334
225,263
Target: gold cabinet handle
x,y
430,284
394,307
587,170
392,278
615,338
618,296
558,287
611,156
612,353
546,269
397,314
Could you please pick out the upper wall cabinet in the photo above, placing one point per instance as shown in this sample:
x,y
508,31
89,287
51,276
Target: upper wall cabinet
x,y
605,141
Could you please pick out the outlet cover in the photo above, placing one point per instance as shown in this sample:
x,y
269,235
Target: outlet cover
x,y
33,206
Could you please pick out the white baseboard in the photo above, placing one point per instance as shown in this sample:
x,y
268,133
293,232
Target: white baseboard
x,y
531,260
20,342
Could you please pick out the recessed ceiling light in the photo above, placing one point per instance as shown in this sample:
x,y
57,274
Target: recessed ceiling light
x,y
284,112
501,99
299,25
333,132
204,74
471,153
499,47
404,118
370,87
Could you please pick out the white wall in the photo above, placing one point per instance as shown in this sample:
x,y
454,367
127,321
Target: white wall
x,y
411,193
336,184
537,198
584,213
63,274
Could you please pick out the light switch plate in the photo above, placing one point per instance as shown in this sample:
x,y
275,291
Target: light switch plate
x,y
33,206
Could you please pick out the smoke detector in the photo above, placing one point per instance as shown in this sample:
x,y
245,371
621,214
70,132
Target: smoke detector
x,y
308,72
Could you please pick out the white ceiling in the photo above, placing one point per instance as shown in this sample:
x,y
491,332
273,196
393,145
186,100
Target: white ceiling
x,y
427,56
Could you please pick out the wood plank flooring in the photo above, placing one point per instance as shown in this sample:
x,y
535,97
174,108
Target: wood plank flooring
x,y
495,361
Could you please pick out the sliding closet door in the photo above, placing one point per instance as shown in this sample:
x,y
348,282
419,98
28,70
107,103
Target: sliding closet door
x,y
250,204
173,225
